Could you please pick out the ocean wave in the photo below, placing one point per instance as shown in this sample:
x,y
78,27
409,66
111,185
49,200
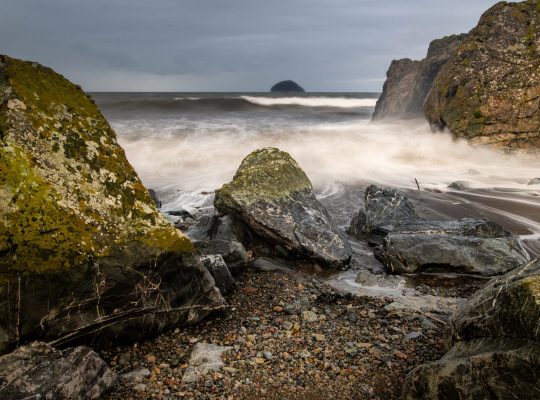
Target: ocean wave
x,y
337,102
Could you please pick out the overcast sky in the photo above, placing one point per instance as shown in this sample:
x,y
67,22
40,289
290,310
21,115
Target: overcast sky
x,y
228,45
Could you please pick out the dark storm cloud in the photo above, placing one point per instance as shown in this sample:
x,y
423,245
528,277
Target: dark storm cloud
x,y
228,45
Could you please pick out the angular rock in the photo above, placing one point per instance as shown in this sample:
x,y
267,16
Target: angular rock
x,y
204,358
287,86
496,344
383,208
85,256
274,198
489,90
460,185
369,279
482,369
508,306
408,82
469,245
219,271
234,253
38,370
265,264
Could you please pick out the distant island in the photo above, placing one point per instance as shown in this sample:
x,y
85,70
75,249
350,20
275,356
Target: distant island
x,y
287,86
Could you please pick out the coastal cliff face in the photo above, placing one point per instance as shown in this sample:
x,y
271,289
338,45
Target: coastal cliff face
x,y
489,91
408,82
83,248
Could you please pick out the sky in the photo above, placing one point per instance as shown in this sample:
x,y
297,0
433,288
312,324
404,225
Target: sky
x,y
228,45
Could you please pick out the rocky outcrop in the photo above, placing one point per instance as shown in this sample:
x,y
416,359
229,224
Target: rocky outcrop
x,y
383,208
496,345
274,199
84,254
39,371
489,90
287,86
408,82
406,243
470,246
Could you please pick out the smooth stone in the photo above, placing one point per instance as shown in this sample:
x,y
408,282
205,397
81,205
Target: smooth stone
x,y
204,358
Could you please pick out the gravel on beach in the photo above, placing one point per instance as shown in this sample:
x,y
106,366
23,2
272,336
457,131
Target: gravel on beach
x,y
291,337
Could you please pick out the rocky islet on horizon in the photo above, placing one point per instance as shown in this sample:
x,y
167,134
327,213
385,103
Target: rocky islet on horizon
x,y
287,86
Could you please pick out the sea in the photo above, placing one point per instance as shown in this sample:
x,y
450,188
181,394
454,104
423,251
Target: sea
x,y
185,145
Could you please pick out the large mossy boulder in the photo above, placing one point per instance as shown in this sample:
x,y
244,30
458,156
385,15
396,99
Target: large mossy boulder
x,y
489,90
84,253
495,345
273,197
408,82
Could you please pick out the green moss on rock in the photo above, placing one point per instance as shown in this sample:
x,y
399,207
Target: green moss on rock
x,y
495,70
68,193
267,173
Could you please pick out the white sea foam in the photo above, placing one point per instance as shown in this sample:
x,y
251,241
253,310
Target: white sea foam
x,y
205,155
338,102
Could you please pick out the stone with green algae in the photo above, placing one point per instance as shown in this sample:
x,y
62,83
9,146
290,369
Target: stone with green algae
x,y
274,198
84,253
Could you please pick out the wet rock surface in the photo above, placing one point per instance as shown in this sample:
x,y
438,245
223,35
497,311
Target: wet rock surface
x,y
38,370
383,208
215,264
508,306
479,369
274,199
468,246
495,339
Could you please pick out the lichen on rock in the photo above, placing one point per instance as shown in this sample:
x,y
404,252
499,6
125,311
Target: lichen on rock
x,y
274,198
78,229
489,91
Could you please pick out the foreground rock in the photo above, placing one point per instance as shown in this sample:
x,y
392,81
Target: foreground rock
x,y
39,371
496,352
81,240
471,246
205,358
489,91
383,208
287,86
274,198
215,235
408,82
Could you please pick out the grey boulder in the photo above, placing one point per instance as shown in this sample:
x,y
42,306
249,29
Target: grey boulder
x,y
39,371
496,347
482,369
274,199
383,208
472,246
219,271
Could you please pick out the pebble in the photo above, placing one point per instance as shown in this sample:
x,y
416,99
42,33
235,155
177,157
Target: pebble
x,y
309,316
413,335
